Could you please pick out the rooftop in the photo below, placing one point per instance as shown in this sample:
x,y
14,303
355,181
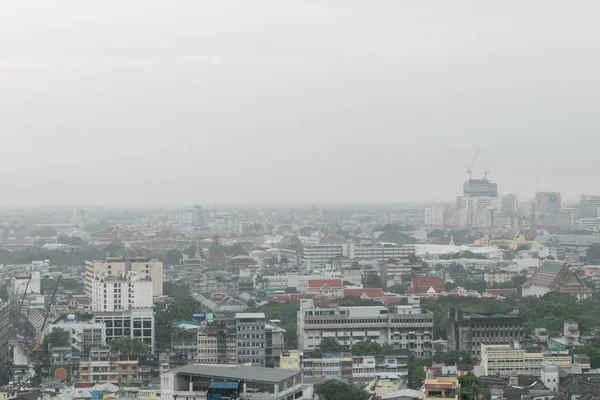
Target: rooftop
x,y
241,372
250,315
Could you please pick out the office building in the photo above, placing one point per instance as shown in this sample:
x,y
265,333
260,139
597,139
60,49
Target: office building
x,y
4,337
135,323
505,360
121,292
467,331
251,338
144,267
588,207
547,203
402,327
509,204
369,251
434,217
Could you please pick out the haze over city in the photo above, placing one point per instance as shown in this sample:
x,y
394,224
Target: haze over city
x,y
150,102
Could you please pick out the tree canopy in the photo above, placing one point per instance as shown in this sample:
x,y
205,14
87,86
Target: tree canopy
x,y
331,345
470,386
337,390
125,345
372,280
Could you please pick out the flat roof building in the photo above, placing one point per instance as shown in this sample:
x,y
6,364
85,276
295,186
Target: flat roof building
x,y
193,382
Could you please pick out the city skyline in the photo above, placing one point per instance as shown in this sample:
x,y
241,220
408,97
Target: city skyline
x,y
265,102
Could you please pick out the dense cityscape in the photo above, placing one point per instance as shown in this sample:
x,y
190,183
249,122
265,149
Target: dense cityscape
x,y
492,296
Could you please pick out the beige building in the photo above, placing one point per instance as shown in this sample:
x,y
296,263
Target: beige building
x,y
144,267
502,359
494,275
443,387
207,350
101,364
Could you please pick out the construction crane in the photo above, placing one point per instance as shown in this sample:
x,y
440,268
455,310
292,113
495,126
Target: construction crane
x,y
22,300
478,152
38,341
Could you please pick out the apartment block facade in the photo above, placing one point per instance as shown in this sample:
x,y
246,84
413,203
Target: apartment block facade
x,y
402,327
145,267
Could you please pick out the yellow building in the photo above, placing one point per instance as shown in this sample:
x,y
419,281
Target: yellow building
x,y
510,243
207,350
444,387
502,359
290,360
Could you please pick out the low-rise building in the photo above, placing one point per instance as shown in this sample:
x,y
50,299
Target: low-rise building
x,y
504,359
444,387
555,276
194,381
401,326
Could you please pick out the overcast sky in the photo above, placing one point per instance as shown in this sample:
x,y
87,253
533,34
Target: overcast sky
x,y
142,101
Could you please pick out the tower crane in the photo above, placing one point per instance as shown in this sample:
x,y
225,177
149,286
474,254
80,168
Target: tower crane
x,y
478,152
38,341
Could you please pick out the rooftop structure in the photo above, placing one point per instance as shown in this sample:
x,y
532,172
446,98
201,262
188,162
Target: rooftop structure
x,y
194,381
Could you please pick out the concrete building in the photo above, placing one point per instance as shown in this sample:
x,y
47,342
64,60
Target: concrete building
x,y
509,204
145,267
208,349
103,365
369,251
251,338
498,275
479,188
550,375
588,207
467,331
402,327
443,387
121,292
135,323
194,381
274,343
506,360
434,217
83,331
547,203
4,337
31,282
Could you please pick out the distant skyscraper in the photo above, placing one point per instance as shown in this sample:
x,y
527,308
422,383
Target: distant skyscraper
x,y
547,203
588,207
509,204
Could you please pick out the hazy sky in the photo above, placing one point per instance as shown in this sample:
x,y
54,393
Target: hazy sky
x,y
145,101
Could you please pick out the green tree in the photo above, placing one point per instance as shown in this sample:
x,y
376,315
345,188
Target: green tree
x,y
58,337
357,302
436,234
337,390
416,373
115,249
592,253
330,345
127,345
182,307
172,257
372,280
470,386
366,348
287,314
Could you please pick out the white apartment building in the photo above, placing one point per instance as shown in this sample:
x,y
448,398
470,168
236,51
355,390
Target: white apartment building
x,y
406,327
377,251
31,282
121,292
434,217
135,323
145,267
502,359
83,331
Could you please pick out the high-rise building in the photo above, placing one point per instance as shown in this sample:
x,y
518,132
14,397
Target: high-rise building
x,y
135,323
509,204
121,292
480,187
434,217
145,267
251,338
547,203
4,324
588,207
